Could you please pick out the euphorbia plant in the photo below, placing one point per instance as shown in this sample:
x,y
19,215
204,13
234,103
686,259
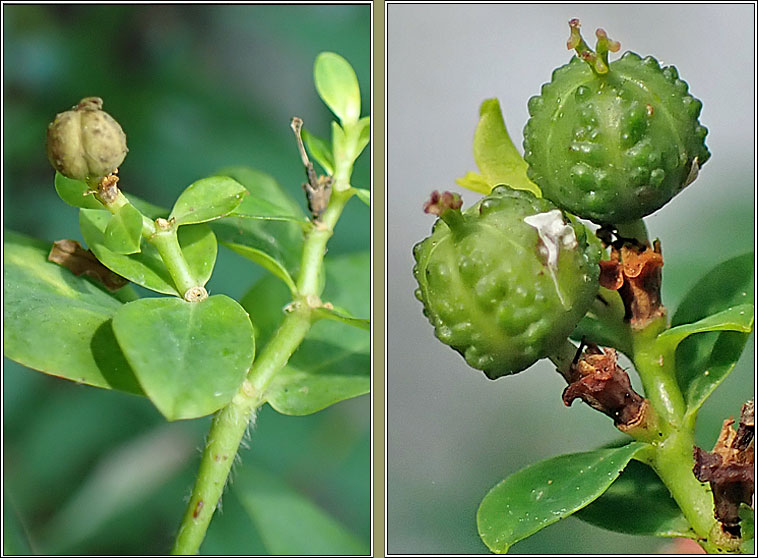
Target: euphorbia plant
x,y
190,352
509,280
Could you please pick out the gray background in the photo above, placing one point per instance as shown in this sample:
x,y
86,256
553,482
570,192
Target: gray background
x,y
453,434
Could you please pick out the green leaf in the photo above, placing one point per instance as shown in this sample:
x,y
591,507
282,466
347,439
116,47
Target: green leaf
x,y
146,208
339,141
58,323
320,150
122,480
269,238
266,262
265,302
337,85
124,231
747,529
704,360
363,130
638,503
363,195
289,523
200,249
475,182
320,374
75,192
189,357
254,207
497,158
735,318
333,362
15,537
546,492
263,186
208,199
341,315
604,323
146,268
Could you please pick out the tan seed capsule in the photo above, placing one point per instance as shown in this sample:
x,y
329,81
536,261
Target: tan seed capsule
x,y
86,142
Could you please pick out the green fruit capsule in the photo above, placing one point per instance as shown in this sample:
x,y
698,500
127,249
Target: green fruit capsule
x,y
506,281
86,142
613,142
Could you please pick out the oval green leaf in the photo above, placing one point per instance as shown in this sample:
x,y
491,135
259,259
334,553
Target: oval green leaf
x,y
189,357
263,186
704,360
200,249
342,315
546,492
75,192
736,318
266,262
15,537
604,323
337,85
364,135
289,523
333,362
208,199
320,150
146,268
274,240
637,503
363,195
124,231
58,323
146,208
475,182
497,158
747,529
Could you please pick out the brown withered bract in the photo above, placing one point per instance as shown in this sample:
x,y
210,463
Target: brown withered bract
x,y
71,255
597,379
634,270
729,469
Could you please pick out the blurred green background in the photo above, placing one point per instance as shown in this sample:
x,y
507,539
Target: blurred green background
x,y
452,433
195,88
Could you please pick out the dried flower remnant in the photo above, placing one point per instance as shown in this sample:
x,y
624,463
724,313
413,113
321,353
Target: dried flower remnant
x,y
71,255
729,469
438,203
318,189
634,270
597,379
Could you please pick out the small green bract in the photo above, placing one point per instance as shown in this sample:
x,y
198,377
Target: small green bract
x,y
508,281
613,142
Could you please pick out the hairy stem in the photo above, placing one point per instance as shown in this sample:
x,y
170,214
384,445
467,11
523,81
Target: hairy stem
x,y
230,424
228,428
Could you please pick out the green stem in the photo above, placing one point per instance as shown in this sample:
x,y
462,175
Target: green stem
x,y
167,244
315,245
634,230
563,357
671,457
228,428
230,424
672,460
658,374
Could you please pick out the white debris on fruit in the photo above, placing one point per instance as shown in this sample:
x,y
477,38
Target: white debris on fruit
x,y
554,234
